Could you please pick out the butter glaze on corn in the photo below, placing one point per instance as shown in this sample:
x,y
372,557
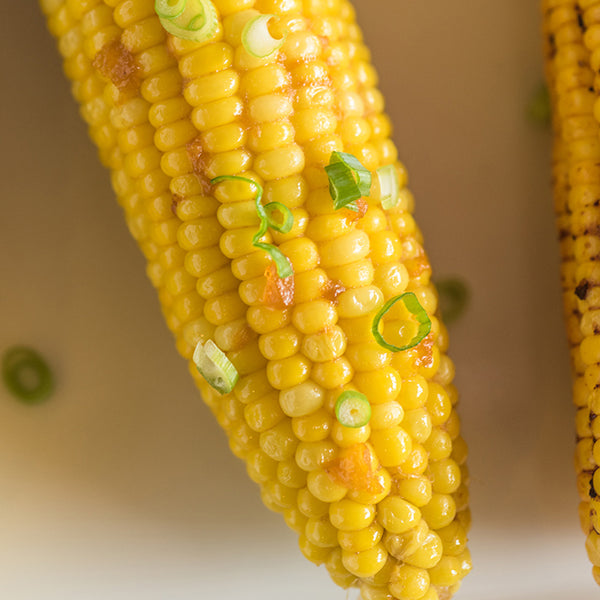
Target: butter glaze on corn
x,y
572,49
188,112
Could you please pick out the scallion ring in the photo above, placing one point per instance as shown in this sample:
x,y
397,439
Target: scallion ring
x,y
215,367
454,297
352,409
282,263
413,306
284,226
389,186
169,9
198,22
257,39
349,180
27,375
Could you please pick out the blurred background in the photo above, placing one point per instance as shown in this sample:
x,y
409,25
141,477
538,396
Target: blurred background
x,y
122,486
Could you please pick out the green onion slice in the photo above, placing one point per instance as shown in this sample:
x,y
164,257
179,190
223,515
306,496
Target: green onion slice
x,y
282,263
27,375
215,367
539,108
389,186
414,307
454,298
352,409
169,9
349,180
197,22
288,218
257,39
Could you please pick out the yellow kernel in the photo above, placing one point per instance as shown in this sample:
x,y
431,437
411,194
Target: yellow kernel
x,y
356,274
280,162
236,243
279,344
224,308
382,386
383,480
268,135
301,400
207,59
409,583
366,563
290,474
361,539
345,249
386,415
446,572
417,424
414,392
314,553
204,261
200,233
263,319
392,446
282,495
223,138
302,253
359,302
428,554
264,413
313,316
416,463
417,490
348,515
338,573
322,487
295,520
345,437
313,123
312,455
439,444
445,476
309,505
454,538
440,511
217,113
288,372
368,356
400,545
332,374
261,468
325,346
211,88
321,532
279,442
397,515
391,278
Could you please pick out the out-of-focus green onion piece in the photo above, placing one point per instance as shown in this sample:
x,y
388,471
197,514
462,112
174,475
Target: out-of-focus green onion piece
x,y
257,39
27,375
539,108
197,22
284,226
453,298
389,186
414,307
352,409
215,367
169,9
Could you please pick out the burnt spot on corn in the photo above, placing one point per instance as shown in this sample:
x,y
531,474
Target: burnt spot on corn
x,y
581,290
117,64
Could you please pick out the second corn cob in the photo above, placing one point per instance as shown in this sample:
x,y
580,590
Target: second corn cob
x,y
382,505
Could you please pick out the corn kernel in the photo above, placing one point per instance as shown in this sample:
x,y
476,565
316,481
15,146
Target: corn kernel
x,y
392,446
348,515
409,583
321,532
322,486
366,563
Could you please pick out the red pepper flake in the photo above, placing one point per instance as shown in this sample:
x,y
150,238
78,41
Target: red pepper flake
x,y
175,203
353,468
279,292
118,64
332,289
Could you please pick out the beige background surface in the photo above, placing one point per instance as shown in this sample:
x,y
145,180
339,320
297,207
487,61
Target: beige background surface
x,y
122,486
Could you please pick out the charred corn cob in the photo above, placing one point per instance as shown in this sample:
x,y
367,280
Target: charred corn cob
x,y
572,46
234,130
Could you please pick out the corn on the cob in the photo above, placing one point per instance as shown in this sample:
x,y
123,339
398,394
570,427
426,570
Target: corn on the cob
x,y
572,61
183,125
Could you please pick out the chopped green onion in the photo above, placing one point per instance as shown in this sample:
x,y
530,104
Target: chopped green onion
x,y
282,263
413,305
389,186
352,409
539,108
27,375
256,38
349,180
169,9
454,298
197,22
215,367
288,217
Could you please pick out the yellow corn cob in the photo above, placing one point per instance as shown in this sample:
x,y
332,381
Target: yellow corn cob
x,y
168,115
572,49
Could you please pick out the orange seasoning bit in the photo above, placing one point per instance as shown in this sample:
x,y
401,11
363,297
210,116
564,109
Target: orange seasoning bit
x,y
279,292
199,159
362,207
353,468
332,289
423,352
118,64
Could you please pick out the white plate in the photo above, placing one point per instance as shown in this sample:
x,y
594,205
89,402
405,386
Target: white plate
x,y
122,486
